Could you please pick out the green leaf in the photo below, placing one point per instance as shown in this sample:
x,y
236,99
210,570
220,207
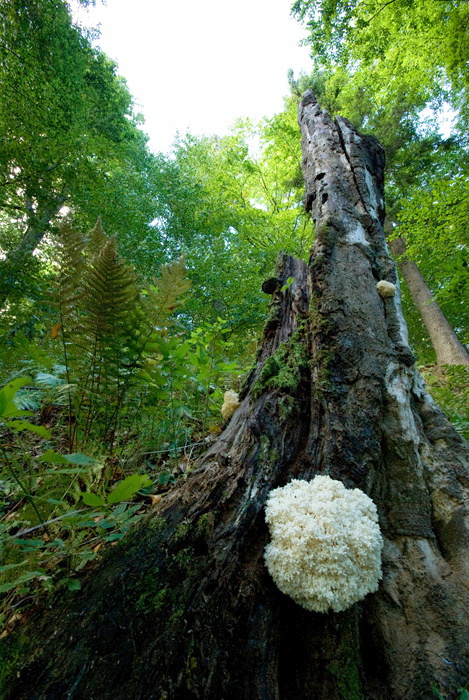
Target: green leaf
x,y
120,510
165,478
79,458
105,524
48,380
7,394
85,557
74,458
29,576
25,425
30,545
7,567
12,411
115,536
128,487
172,285
53,457
92,499
73,584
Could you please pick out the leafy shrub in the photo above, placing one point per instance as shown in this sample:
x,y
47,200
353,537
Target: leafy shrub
x,y
40,493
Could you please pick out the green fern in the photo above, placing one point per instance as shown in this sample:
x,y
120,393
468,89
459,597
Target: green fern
x,y
68,292
71,260
109,325
97,237
110,297
171,286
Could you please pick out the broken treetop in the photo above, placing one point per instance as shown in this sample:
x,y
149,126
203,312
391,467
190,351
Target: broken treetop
x,y
338,160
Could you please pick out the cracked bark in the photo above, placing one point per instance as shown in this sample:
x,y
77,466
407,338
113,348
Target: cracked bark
x,y
184,607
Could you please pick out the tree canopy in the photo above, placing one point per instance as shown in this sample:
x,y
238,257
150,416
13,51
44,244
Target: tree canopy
x,y
413,51
70,137
229,208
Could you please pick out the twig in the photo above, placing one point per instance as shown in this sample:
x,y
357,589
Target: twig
x,y
48,522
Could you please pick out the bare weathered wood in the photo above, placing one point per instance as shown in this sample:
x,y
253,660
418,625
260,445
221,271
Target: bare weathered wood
x,y
382,430
184,607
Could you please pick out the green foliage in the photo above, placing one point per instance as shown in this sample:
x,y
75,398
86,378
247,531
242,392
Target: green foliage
x,y
231,205
121,367
69,137
67,542
449,386
171,286
9,409
435,224
68,545
123,490
109,325
127,370
185,385
409,48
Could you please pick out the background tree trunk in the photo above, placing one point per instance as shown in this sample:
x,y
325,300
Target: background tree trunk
x,y
12,268
184,607
449,350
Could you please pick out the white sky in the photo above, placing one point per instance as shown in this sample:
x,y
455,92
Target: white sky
x,y
198,66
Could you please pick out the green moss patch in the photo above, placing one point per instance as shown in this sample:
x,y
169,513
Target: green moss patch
x,y
284,370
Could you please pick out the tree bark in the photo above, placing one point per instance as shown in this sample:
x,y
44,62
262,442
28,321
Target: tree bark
x,y
184,608
449,350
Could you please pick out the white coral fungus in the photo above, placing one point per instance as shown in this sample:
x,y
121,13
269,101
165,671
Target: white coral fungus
x,y
386,289
326,544
230,404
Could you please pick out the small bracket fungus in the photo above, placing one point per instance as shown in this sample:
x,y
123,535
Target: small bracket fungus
x,y
230,404
271,285
325,551
386,289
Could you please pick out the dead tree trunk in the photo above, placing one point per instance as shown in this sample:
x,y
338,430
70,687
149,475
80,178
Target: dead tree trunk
x,y
448,348
184,608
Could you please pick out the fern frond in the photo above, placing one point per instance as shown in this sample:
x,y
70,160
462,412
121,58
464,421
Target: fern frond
x,y
71,246
166,293
108,328
97,238
110,295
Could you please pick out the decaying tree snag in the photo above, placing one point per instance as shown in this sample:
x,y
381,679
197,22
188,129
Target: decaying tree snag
x,y
184,607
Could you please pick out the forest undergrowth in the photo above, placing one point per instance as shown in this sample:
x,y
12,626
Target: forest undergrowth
x,y
101,415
